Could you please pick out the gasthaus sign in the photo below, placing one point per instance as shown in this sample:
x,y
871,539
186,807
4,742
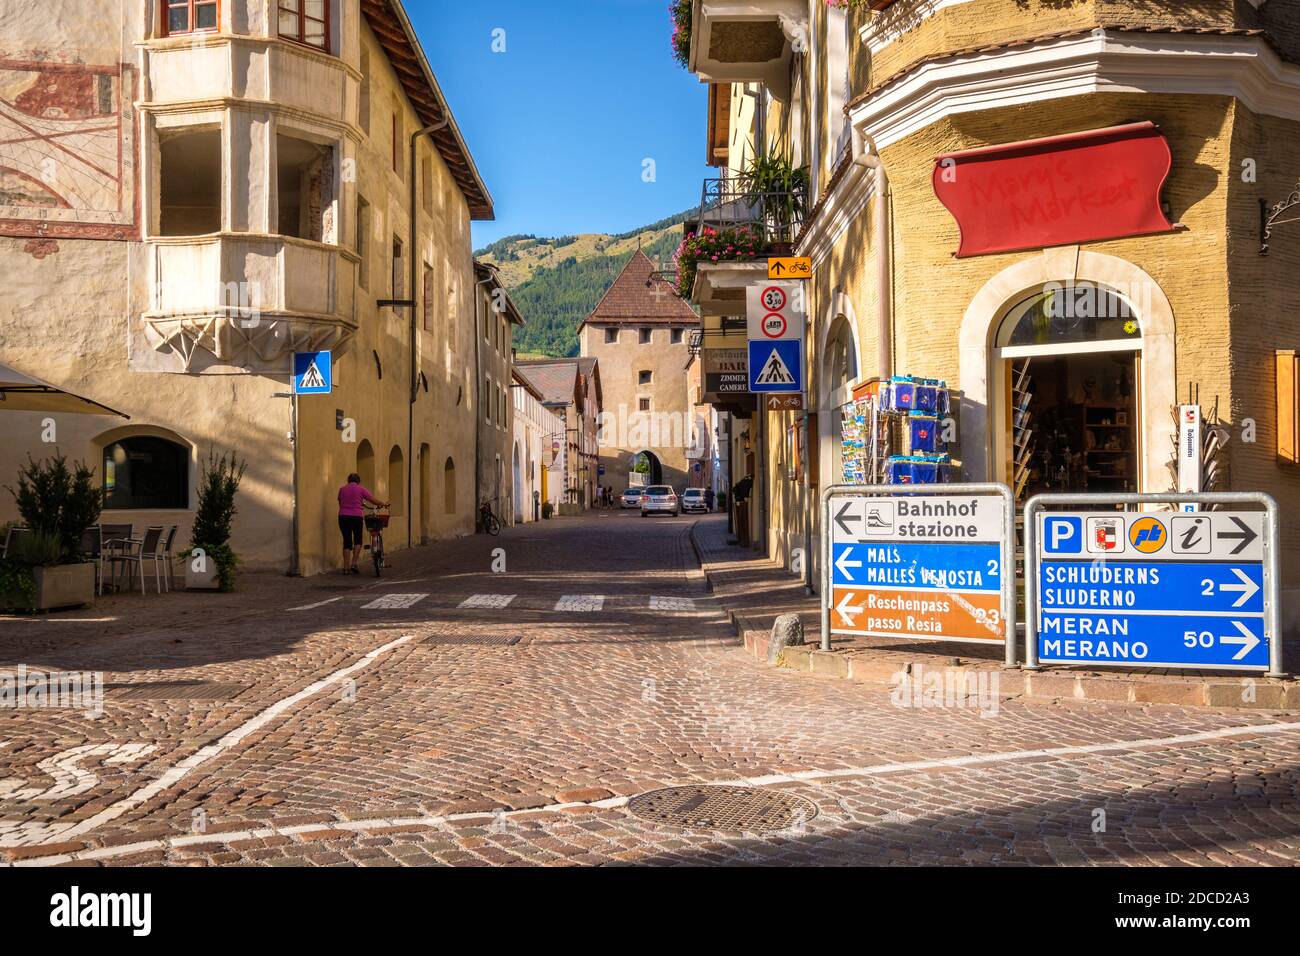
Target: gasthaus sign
x,y
920,566
1143,589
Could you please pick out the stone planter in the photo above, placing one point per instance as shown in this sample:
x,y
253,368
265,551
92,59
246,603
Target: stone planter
x,y
64,585
205,580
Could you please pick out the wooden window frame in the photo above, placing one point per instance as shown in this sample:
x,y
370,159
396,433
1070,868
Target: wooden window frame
x,y
301,13
191,6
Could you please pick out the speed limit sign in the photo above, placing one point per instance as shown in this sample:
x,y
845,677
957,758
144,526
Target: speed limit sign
x,y
775,311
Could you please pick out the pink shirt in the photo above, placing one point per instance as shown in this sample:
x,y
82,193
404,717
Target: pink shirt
x,y
350,497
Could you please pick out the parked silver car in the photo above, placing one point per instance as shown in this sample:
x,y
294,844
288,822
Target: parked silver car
x,y
631,498
659,498
693,500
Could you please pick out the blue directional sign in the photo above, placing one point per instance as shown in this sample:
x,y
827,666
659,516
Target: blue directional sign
x,y
776,366
938,567
313,373
1230,642
1152,590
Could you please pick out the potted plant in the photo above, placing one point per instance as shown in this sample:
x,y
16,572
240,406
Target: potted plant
x,y
47,568
680,11
209,561
730,243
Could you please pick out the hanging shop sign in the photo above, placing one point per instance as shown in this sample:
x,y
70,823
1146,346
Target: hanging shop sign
x,y
915,564
726,371
1141,589
1081,187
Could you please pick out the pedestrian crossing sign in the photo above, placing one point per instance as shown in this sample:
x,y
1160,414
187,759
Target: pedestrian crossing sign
x,y
313,373
776,366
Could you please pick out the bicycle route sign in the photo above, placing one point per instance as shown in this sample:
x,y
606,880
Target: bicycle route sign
x,y
1152,590
919,567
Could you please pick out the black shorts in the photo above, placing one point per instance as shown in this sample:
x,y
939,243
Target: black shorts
x,y
351,526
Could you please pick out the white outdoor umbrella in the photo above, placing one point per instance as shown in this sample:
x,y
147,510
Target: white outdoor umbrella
x,y
20,392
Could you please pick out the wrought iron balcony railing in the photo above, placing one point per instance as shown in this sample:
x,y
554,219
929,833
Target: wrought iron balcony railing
x,y
776,216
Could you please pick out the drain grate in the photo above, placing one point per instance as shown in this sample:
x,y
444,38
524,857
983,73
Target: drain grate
x,y
174,690
499,640
735,809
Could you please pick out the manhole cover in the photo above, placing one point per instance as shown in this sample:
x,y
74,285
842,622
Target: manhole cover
x,y
175,690
505,640
738,809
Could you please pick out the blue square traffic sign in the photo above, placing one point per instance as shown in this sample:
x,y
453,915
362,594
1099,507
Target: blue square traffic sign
x,y
313,373
776,366
1062,535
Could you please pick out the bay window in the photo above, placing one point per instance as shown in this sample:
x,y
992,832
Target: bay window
x,y
189,16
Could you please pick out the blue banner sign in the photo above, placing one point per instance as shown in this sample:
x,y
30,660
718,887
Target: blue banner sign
x,y
939,567
1152,640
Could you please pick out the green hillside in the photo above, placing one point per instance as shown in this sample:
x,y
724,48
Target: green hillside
x,y
557,281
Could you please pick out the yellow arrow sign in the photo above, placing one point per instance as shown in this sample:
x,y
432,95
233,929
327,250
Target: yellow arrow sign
x,y
789,267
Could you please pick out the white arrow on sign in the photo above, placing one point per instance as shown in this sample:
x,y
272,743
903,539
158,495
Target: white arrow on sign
x,y
1247,587
1247,640
843,563
847,610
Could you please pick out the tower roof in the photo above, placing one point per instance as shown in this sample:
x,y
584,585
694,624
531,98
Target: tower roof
x,y
639,297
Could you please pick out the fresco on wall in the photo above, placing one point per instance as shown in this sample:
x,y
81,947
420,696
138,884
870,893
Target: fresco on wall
x,y
67,150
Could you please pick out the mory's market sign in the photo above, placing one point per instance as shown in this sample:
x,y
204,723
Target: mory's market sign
x,y
1082,187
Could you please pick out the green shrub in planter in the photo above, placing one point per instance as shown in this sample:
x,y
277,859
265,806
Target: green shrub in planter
x,y
722,501
218,483
55,501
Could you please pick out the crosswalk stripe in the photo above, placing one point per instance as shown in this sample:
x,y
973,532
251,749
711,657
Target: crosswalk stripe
x,y
488,600
389,602
671,603
580,602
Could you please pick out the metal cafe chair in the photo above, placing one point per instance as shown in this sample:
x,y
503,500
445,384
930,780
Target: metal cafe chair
x,y
114,540
138,552
92,546
169,571
11,538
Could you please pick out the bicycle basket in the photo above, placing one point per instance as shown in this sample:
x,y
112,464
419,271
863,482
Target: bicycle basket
x,y
376,522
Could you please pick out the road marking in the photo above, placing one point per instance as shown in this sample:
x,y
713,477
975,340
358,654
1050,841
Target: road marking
x,y
580,602
392,602
672,604
182,769
308,607
488,600
70,779
437,822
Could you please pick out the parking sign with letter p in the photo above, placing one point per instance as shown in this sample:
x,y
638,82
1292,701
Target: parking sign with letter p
x,y
1062,535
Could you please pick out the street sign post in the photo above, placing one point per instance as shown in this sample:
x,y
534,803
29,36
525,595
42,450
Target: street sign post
x,y
789,267
1141,589
918,562
774,314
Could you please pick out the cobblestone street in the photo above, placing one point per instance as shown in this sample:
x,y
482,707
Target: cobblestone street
x,y
451,714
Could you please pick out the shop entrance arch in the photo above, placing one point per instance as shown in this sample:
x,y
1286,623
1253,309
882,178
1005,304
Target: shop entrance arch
x,y
1097,333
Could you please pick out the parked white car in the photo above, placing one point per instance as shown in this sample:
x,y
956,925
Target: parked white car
x,y
631,498
661,499
693,500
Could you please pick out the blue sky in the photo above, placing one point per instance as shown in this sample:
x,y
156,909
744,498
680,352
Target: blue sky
x,y
561,122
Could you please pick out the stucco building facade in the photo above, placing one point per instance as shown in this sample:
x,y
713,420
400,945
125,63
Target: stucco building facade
x,y
209,188
887,108
639,333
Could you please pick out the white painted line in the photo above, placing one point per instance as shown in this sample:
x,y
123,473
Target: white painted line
x,y
393,602
580,602
308,607
362,826
182,769
672,604
488,600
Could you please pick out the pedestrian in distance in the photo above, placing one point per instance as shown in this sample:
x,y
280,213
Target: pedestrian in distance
x,y
352,499
708,499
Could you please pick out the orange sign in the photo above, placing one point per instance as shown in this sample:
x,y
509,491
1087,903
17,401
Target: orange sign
x,y
932,614
789,267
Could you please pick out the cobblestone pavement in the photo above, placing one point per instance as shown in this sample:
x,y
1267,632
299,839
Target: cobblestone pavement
x,y
450,714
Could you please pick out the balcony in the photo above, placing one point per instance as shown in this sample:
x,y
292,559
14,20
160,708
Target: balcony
x,y
248,300
776,216
733,41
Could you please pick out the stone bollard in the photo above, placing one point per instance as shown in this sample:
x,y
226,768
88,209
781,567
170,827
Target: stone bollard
x,y
787,631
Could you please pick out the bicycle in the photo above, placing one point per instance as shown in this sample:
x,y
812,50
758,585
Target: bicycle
x,y
376,522
487,520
